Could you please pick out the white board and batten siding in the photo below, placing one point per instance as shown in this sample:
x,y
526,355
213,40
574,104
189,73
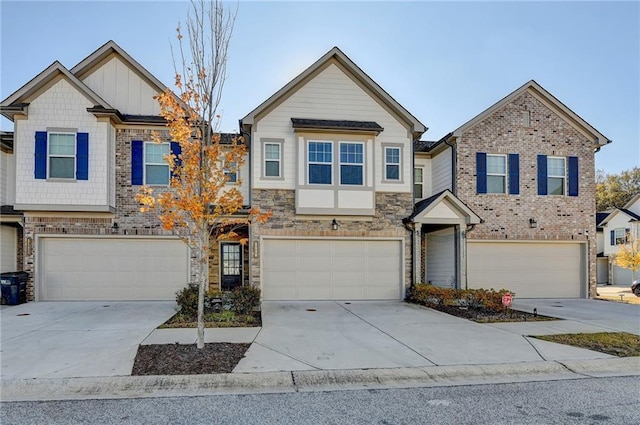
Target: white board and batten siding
x,y
529,269
329,95
441,172
335,269
123,88
111,268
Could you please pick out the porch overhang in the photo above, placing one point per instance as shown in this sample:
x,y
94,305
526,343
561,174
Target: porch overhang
x,y
444,209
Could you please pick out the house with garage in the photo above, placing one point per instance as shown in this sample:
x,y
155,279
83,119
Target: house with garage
x,y
617,228
362,207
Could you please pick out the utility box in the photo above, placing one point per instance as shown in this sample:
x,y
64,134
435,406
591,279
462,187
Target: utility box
x,y
14,287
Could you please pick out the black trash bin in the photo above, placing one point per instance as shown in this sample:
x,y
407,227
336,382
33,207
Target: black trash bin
x,y
14,287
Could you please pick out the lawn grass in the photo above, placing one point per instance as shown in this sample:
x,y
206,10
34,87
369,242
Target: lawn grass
x,y
620,344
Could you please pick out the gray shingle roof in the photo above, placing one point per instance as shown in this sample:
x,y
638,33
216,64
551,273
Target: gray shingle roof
x,y
336,124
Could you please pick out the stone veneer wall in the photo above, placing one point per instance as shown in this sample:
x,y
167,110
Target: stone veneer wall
x,y
391,208
506,217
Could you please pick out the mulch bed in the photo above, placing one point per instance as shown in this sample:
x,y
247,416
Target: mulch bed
x,y
187,359
239,321
489,316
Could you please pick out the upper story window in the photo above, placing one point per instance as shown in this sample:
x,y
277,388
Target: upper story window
x,y
156,169
392,163
351,163
418,183
62,155
231,172
620,236
556,176
273,160
320,162
496,173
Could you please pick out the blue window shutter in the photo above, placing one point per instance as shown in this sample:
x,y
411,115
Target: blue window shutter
x,y
82,156
573,175
176,149
41,155
514,174
481,172
613,237
137,162
542,174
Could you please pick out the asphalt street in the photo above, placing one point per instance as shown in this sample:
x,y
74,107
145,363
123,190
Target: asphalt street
x,y
582,401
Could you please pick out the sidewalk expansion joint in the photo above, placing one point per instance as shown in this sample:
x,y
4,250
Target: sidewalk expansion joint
x,y
387,334
287,355
526,338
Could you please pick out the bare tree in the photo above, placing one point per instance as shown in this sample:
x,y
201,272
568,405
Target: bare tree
x,y
200,203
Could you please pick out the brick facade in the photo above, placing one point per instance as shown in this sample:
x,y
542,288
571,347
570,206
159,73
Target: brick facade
x,y
391,208
506,217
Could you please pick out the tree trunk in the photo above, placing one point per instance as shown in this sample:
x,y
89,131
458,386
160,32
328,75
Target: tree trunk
x,y
203,253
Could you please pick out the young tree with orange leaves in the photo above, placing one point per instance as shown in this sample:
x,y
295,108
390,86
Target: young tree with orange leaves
x,y
199,204
628,256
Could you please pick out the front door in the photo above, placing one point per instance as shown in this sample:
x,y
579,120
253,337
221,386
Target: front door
x,y
231,265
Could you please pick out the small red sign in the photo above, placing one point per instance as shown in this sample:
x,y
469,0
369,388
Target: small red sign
x,y
507,299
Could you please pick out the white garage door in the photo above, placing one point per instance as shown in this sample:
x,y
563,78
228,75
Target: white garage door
x,y
112,268
530,270
331,269
622,276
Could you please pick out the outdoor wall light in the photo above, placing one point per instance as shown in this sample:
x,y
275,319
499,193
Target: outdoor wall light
x,y
334,224
532,223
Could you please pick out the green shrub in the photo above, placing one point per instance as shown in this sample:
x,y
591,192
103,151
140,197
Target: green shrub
x,y
245,299
187,299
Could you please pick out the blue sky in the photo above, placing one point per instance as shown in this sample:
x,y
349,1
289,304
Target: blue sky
x,y
443,61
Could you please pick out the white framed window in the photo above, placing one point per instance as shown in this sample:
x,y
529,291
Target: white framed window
x,y
556,175
418,182
62,155
392,164
272,159
320,162
156,169
621,236
496,173
351,163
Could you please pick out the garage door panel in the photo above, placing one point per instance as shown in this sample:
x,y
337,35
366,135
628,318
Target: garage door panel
x,y
112,268
530,270
332,269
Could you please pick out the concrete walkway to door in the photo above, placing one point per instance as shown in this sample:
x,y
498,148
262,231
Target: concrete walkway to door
x,y
362,335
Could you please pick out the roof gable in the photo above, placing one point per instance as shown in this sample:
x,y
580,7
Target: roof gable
x,y
443,207
103,54
550,101
630,214
17,101
336,56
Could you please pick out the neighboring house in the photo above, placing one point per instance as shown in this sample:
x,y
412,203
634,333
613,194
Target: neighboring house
x,y
11,234
617,228
362,208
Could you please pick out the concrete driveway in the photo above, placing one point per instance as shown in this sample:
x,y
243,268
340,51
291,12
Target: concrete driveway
x,y
75,339
361,335
609,315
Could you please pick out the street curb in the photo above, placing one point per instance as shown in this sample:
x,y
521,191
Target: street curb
x,y
308,381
